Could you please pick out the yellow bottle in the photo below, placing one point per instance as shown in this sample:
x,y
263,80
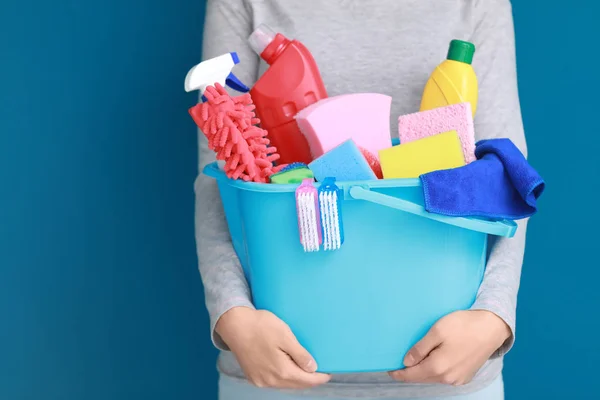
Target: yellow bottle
x,y
454,80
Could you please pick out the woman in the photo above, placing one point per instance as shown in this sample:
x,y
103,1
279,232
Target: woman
x,y
387,47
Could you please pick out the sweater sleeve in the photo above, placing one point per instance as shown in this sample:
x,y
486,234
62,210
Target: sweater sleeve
x,y
499,115
227,26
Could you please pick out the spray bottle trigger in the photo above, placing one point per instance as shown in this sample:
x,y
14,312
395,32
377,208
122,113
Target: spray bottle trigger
x,y
233,82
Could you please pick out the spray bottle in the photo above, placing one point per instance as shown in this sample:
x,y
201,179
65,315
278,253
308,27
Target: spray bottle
x,y
454,80
291,83
215,70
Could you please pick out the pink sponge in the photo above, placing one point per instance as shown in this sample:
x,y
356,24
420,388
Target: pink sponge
x,y
456,117
362,117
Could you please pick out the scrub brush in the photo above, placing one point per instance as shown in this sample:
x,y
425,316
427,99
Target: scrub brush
x,y
331,214
309,220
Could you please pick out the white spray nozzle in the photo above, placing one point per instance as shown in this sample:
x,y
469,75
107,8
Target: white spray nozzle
x,y
215,70
260,38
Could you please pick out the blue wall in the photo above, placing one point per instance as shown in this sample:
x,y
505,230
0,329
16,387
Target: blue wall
x,y
558,351
100,297
99,293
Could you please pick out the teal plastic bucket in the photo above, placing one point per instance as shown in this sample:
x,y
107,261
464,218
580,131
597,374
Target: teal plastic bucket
x,y
360,308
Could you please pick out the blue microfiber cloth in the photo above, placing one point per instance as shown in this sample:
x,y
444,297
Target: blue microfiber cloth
x,y
499,185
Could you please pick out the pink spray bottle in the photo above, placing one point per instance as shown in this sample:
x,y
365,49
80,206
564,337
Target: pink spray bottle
x,y
291,83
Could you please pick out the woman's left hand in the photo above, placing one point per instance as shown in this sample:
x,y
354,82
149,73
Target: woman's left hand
x,y
454,348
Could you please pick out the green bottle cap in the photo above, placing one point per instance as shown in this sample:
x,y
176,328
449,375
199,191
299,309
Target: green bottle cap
x,y
461,51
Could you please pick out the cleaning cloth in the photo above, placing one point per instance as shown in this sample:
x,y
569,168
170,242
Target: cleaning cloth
x,y
499,185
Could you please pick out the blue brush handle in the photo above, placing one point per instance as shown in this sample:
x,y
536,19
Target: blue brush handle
x,y
503,228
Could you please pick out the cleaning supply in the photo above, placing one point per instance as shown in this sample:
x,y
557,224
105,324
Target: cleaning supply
x,y
373,161
397,260
362,117
455,117
499,185
215,70
292,173
454,80
309,218
330,198
229,124
291,83
410,160
344,163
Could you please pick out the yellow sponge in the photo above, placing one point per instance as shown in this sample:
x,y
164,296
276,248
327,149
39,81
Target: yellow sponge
x,y
410,160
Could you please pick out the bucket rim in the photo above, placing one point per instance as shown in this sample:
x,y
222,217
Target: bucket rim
x,y
212,170
361,190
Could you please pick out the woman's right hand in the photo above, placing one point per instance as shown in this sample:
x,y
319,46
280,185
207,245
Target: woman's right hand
x,y
267,350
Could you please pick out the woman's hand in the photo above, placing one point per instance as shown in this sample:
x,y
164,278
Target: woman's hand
x,y
267,350
454,348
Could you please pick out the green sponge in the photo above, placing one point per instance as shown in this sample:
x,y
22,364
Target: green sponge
x,y
292,173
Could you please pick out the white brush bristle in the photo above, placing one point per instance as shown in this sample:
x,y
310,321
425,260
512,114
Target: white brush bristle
x,y
307,215
330,220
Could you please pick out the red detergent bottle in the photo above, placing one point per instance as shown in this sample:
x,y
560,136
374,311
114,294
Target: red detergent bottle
x,y
291,83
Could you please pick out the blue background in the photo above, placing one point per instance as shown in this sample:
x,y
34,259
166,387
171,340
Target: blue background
x,y
99,293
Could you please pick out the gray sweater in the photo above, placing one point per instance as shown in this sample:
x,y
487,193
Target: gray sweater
x,y
382,46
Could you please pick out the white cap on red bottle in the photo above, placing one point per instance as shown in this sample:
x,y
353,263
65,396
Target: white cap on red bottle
x,y
260,38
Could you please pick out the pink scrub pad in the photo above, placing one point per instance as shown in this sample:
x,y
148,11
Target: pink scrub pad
x,y
456,117
362,117
229,124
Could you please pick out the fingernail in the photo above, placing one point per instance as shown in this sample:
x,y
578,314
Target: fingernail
x,y
409,360
311,366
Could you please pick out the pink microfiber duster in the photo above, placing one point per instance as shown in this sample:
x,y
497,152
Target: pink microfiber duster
x,y
456,117
229,124
362,117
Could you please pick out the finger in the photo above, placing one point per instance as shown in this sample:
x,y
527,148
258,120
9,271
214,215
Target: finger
x,y
306,380
283,373
423,347
427,371
299,354
299,379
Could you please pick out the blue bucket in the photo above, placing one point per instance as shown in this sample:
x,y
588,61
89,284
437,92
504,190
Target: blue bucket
x,y
360,308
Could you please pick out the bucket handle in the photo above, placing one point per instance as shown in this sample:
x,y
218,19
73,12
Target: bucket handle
x,y
504,228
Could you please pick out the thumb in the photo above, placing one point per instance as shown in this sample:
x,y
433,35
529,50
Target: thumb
x,y
299,354
423,347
